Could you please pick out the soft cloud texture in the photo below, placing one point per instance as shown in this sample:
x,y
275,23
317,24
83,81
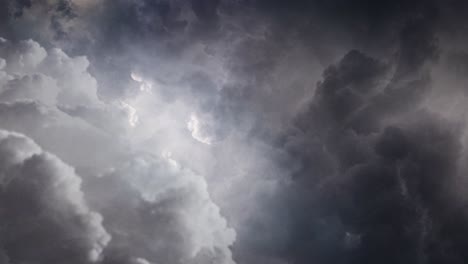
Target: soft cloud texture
x,y
246,131
38,86
45,217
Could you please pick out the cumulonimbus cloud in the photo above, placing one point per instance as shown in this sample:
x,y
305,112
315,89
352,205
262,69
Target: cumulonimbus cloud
x,y
222,131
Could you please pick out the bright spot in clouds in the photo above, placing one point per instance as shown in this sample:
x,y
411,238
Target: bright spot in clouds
x,y
145,86
131,113
194,125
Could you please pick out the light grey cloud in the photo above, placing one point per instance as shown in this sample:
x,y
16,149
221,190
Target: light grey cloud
x,y
51,97
162,212
44,214
34,83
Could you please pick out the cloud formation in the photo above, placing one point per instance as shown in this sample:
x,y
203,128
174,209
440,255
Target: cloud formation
x,y
53,99
45,217
222,131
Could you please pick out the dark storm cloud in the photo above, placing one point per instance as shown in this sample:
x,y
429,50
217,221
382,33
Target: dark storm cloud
x,y
377,186
400,203
53,14
388,188
206,9
15,8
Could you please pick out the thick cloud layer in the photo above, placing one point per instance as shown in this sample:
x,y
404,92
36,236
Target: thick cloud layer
x,y
44,215
222,131
154,209
162,212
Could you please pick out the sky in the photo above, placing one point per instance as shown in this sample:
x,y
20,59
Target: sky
x,y
233,132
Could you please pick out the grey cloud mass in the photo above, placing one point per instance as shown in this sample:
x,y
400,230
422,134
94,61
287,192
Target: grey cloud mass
x,y
233,131
45,217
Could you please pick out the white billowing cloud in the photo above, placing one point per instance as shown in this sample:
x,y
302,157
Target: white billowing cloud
x,y
25,56
145,86
164,179
59,133
52,99
165,214
35,86
31,72
140,261
78,86
131,112
197,128
44,208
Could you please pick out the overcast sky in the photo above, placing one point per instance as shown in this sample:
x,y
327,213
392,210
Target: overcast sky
x,y
233,132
